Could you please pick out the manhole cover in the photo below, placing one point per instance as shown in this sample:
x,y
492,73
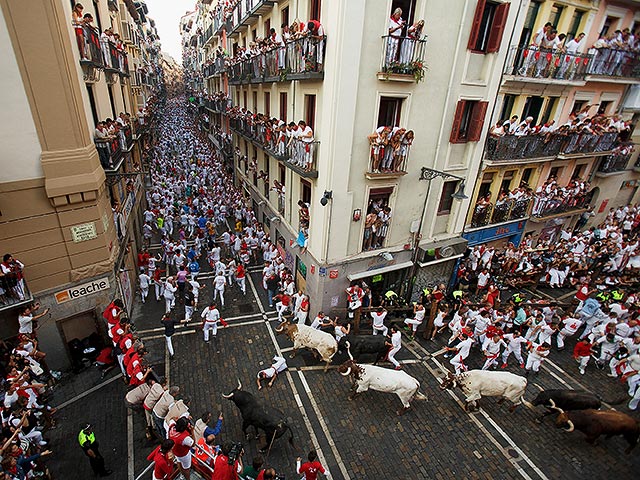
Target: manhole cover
x,y
245,308
512,452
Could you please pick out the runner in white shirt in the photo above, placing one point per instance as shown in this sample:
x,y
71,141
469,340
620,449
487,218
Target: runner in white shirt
x,y
491,349
218,284
569,327
462,352
378,321
210,316
514,345
396,344
279,365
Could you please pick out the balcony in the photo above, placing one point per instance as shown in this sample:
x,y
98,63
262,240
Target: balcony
x,y
219,105
243,12
112,152
206,36
116,61
611,64
388,159
612,164
215,68
299,156
402,59
91,59
512,147
544,207
546,66
13,286
301,59
503,211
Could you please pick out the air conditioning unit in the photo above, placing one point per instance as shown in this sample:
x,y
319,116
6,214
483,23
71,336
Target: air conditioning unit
x,y
441,250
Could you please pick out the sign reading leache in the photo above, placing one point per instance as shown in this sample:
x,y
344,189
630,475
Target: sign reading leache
x,y
83,290
84,232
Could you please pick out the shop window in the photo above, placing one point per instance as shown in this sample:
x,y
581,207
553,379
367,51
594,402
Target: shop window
x,y
389,111
446,200
488,26
283,106
468,121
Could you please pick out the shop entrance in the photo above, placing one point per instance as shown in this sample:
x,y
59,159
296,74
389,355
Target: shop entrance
x,y
383,282
78,333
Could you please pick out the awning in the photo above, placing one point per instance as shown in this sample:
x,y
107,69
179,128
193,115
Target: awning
x,y
378,271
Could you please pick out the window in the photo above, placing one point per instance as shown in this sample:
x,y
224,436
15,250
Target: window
x,y
485,185
246,103
446,200
556,13
577,106
305,191
267,27
282,173
608,25
389,111
555,173
267,104
310,110
284,16
254,34
408,9
505,186
378,201
92,102
255,101
468,121
488,26
532,108
604,107
548,111
283,106
576,20
316,6
113,105
578,172
507,106
526,176
529,23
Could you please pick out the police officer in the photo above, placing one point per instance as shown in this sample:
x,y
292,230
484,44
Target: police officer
x,y
89,445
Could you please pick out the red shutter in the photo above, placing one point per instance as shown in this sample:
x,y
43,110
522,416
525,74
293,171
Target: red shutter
x,y
497,27
475,26
457,118
477,121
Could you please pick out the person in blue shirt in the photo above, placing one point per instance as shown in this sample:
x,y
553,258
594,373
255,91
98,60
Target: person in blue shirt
x,y
194,268
192,254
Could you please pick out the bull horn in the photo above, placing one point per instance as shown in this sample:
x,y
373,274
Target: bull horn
x,y
347,373
279,329
239,385
348,344
571,426
227,396
552,406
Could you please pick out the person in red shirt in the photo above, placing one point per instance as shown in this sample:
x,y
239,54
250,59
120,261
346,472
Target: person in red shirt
x,y
163,459
240,278
582,353
180,433
311,468
222,470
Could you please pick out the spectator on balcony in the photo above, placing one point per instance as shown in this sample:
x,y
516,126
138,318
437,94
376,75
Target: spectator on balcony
x,y
13,277
498,130
103,139
511,125
77,21
315,47
396,24
548,46
382,226
409,44
405,146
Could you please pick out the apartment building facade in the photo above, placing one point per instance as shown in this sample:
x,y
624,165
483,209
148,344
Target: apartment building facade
x,y
347,80
555,86
72,222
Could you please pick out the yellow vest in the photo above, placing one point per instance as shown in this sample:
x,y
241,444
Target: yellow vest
x,y
84,438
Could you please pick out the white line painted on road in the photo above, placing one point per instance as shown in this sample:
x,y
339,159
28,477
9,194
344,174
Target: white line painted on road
x,y
303,411
197,330
130,452
192,324
88,392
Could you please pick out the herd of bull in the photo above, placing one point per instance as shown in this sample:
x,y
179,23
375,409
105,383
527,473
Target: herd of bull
x,y
577,410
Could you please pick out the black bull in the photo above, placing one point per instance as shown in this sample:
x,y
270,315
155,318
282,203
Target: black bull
x,y
262,417
360,345
566,400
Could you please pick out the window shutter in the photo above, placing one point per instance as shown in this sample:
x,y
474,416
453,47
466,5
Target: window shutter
x,y
477,121
475,26
457,118
497,27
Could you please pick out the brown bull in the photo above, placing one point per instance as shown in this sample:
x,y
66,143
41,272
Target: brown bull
x,y
594,423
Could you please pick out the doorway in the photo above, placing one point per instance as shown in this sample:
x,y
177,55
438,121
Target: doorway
x,y
532,108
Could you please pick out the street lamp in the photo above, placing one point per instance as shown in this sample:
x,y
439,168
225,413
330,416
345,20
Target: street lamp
x,y
429,174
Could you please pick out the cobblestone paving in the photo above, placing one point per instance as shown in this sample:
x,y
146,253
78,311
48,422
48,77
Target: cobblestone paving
x,y
359,439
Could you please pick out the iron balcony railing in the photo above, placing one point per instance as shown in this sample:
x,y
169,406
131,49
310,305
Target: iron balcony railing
x,y
403,55
544,206
300,155
534,62
391,158
512,147
614,163
114,59
88,40
610,62
502,211
219,106
112,150
13,286
215,68
299,59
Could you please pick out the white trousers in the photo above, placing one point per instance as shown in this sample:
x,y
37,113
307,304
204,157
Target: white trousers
x,y
414,323
169,345
382,329
219,291
391,356
516,353
210,327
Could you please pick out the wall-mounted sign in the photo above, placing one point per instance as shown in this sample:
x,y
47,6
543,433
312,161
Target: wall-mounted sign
x,y
333,274
322,271
84,232
83,290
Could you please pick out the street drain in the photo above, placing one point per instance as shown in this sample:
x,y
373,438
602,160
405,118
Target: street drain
x,y
512,453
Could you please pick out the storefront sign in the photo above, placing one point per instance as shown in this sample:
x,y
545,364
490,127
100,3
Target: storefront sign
x,y
83,290
489,234
376,278
84,232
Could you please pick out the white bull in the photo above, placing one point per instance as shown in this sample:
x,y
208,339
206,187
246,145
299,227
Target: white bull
x,y
372,377
482,383
305,336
